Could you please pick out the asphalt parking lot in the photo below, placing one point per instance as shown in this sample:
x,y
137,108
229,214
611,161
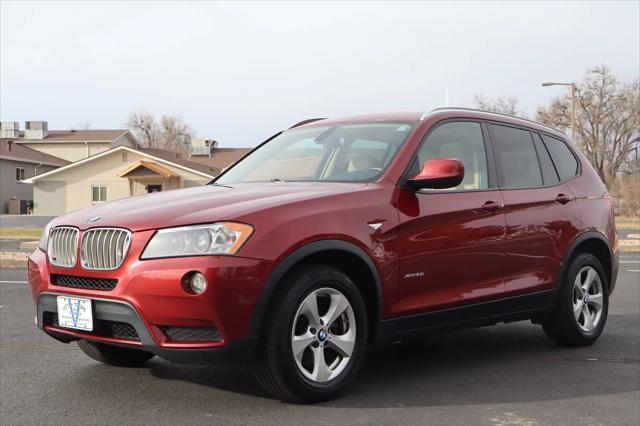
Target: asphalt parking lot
x,y
503,375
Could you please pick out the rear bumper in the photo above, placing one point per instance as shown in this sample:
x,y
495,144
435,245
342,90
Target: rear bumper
x,y
149,297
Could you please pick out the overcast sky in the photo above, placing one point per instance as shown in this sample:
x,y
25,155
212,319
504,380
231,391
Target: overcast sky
x,y
239,72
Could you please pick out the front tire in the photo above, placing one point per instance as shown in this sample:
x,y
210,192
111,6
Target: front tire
x,y
581,310
315,338
114,355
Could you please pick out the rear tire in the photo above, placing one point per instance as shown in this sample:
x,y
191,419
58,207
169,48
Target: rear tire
x,y
581,310
115,355
315,338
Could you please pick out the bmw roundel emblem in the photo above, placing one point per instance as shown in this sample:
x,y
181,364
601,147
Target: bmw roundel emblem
x,y
94,219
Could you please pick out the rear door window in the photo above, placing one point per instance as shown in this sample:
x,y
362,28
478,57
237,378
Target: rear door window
x,y
516,156
566,163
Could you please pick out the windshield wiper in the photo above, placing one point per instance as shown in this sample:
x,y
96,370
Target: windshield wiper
x,y
276,180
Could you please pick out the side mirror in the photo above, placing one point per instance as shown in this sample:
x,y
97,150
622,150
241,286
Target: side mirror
x,y
440,173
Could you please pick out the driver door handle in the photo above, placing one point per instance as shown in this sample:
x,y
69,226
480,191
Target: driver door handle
x,y
492,206
563,198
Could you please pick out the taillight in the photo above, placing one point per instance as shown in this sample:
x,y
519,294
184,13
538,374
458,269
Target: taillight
x,y
607,196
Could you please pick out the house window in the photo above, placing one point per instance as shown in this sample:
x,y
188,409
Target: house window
x,y
98,194
19,174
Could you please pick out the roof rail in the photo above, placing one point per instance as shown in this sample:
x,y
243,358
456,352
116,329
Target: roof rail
x,y
426,113
307,121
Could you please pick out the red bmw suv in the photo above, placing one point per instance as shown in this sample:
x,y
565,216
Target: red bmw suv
x,y
335,234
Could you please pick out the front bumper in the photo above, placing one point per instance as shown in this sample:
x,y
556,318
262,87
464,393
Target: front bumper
x,y
149,297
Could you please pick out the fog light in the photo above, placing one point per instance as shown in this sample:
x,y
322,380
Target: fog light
x,y
197,282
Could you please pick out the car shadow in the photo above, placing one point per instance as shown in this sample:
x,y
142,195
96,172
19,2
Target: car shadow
x,y
499,364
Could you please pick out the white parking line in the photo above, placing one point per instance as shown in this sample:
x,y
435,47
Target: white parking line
x,y
630,261
633,270
13,282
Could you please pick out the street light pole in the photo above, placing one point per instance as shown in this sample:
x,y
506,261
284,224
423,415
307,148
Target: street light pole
x,y
573,104
573,112
637,142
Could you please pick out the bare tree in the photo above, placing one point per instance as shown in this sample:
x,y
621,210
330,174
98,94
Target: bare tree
x,y
83,125
144,127
507,106
176,134
607,119
626,192
171,132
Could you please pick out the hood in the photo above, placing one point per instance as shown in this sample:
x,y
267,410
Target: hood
x,y
206,204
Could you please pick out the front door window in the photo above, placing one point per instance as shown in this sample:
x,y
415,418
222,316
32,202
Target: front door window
x,y
451,246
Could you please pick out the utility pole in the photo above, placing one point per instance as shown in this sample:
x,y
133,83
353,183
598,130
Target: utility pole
x,y
573,104
637,142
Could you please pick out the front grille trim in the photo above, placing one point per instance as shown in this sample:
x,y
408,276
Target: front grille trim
x,y
62,246
87,283
104,249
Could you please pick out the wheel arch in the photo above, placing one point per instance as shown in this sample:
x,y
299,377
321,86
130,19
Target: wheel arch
x,y
595,243
346,256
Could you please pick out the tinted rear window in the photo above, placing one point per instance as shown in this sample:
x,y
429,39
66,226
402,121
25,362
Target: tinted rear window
x,y
566,163
517,157
549,174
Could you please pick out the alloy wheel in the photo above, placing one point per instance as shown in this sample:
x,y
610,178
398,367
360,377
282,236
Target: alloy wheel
x,y
588,299
323,335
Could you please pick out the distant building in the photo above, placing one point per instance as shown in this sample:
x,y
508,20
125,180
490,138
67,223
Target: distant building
x,y
206,151
70,145
113,174
18,163
58,171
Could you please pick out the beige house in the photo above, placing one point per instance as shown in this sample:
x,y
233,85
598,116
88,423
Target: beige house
x,y
18,163
118,172
71,145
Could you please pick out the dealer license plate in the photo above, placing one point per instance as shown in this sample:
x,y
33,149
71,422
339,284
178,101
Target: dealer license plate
x,y
75,312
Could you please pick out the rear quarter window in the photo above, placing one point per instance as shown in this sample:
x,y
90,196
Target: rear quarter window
x,y
549,174
566,163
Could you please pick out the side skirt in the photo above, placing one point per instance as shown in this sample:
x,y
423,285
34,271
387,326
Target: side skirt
x,y
509,309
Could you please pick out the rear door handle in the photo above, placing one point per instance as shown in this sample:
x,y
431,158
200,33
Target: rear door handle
x,y
563,198
492,206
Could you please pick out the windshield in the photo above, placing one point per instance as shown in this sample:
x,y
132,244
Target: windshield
x,y
338,153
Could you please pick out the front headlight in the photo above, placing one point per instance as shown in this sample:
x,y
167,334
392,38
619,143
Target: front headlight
x,y
44,239
197,240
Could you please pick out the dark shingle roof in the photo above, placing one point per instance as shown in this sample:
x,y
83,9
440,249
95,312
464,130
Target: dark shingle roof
x,y
77,136
221,158
12,151
176,158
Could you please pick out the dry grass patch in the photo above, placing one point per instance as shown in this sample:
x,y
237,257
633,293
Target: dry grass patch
x,y
21,232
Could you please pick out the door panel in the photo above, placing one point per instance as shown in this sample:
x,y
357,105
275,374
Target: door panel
x,y
451,242
538,210
538,227
451,249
